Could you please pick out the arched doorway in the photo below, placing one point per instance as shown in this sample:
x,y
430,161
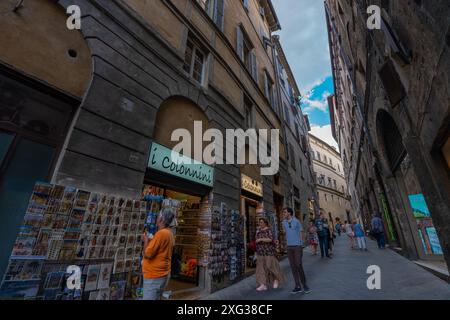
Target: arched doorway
x,y
186,187
415,218
45,70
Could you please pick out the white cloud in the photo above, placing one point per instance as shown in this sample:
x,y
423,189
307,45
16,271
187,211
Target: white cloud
x,y
325,134
305,40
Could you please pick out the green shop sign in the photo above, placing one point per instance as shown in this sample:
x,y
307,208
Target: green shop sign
x,y
165,160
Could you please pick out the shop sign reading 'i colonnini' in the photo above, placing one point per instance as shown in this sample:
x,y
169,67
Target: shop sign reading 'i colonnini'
x,y
165,160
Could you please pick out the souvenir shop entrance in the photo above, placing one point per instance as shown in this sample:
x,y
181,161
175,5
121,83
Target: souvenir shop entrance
x,y
190,201
251,201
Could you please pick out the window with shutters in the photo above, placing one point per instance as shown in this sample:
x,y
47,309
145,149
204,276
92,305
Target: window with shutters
x,y
287,116
194,60
246,52
215,9
269,90
292,156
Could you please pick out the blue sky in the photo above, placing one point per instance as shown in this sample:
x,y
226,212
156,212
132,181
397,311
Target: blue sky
x,y
305,41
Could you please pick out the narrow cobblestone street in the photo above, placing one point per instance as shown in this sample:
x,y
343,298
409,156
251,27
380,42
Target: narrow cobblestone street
x,y
344,277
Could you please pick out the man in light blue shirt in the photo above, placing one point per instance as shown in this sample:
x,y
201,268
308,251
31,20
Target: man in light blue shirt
x,y
295,240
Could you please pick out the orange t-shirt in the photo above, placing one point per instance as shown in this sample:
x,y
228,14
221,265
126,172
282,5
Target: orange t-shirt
x,y
158,255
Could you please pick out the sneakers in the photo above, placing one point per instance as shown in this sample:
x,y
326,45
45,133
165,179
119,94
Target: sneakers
x,y
307,290
296,290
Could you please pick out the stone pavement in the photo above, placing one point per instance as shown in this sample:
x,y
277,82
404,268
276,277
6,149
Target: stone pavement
x,y
344,278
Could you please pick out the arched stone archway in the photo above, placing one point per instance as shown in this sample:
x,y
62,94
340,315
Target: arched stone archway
x,y
179,112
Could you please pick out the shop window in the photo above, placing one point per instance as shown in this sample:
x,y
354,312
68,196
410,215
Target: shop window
x,y
194,60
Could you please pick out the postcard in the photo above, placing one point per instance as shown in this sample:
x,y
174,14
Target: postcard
x,y
91,253
81,252
34,208
102,209
68,250
69,194
136,264
39,198
76,219
82,199
60,222
117,290
131,240
19,289
47,221
129,252
114,231
94,198
110,253
42,242
117,221
43,188
57,192
121,202
54,248
23,246
129,205
111,211
120,255
100,252
123,240
128,264
112,202
93,295
119,266
103,294
104,276
133,228
137,251
65,207
33,220
92,277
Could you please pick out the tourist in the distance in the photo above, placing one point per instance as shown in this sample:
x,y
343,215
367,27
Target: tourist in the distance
x,y
313,238
360,235
323,232
377,230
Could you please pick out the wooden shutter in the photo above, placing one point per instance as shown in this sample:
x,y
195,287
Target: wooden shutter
x,y
219,13
240,43
253,64
266,85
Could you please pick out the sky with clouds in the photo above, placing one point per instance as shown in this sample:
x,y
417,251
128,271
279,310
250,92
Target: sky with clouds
x,y
305,41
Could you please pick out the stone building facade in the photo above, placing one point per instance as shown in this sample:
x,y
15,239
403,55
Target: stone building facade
x,y
391,118
109,92
331,184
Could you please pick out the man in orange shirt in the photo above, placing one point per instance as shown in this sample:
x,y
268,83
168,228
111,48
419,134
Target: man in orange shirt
x,y
157,260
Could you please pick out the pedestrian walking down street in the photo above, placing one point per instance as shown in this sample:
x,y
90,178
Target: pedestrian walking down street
x,y
157,256
360,235
323,232
295,242
313,238
331,237
338,226
350,234
377,230
266,262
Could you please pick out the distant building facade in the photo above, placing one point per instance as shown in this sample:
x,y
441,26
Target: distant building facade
x,y
331,185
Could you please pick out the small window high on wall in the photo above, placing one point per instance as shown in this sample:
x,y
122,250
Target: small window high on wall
x,y
195,60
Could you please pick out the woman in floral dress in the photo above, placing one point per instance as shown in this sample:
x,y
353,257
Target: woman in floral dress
x,y
266,262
